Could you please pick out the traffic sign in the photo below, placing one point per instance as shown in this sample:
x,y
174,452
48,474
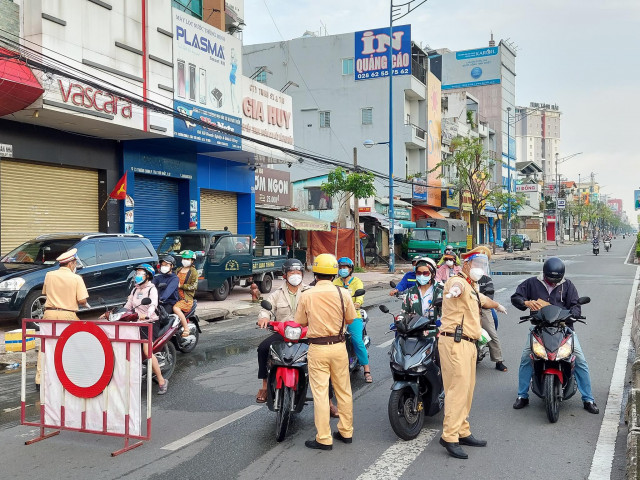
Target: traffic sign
x,y
561,203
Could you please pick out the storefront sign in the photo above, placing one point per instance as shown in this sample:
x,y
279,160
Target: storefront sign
x,y
453,200
529,187
6,150
94,99
194,131
466,202
372,54
364,209
419,189
402,214
273,187
266,114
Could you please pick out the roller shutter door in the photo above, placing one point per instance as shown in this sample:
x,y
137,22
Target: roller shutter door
x,y
260,236
37,199
218,210
156,207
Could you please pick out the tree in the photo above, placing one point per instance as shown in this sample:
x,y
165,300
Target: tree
x,y
473,169
343,186
499,199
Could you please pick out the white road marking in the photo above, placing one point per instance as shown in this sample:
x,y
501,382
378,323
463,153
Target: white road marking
x,y
500,290
396,459
7,410
605,448
385,344
626,262
198,434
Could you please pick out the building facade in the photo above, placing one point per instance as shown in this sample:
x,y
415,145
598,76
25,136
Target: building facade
x,y
538,136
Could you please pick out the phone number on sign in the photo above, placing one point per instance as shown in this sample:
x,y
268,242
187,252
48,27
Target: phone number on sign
x,y
384,73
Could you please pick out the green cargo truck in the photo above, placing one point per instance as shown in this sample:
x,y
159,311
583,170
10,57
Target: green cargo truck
x,y
431,236
224,260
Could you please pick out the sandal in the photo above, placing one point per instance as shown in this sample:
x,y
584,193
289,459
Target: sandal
x,y
185,333
367,377
262,396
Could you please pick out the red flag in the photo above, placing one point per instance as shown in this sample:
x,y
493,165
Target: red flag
x,y
120,190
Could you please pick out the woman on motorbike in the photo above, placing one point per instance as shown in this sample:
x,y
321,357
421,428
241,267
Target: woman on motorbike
x,y
187,286
347,280
419,299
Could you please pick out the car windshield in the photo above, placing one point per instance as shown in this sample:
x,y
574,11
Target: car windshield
x,y
177,243
432,235
42,252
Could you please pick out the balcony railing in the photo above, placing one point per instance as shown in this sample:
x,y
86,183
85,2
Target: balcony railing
x,y
418,71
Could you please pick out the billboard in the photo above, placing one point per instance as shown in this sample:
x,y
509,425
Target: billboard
x,y
266,114
419,189
372,54
636,199
615,204
528,187
471,68
207,77
193,131
434,135
273,187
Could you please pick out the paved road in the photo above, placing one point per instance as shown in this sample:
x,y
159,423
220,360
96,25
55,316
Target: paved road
x,y
215,386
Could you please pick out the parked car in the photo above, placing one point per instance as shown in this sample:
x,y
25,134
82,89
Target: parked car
x,y
106,262
520,241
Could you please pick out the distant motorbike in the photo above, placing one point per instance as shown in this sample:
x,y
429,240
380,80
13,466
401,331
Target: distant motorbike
x,y
596,248
607,245
552,355
417,388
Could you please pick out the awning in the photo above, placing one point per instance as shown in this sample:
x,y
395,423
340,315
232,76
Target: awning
x,y
19,88
297,220
384,221
422,210
407,223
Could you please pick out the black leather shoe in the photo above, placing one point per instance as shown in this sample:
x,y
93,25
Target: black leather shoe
x,y
591,407
472,441
501,366
316,445
338,436
454,449
521,403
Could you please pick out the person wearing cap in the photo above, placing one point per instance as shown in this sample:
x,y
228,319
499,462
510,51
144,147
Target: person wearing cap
x,y
448,269
167,283
187,286
420,298
326,309
65,291
408,280
449,251
459,331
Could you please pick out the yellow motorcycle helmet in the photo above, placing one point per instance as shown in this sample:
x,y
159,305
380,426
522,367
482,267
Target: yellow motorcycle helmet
x,y
326,264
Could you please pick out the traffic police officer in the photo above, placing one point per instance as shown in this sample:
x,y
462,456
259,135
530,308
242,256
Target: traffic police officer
x,y
326,309
459,332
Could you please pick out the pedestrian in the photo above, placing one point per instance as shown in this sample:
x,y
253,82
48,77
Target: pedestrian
x,y
488,321
326,309
551,288
66,292
459,332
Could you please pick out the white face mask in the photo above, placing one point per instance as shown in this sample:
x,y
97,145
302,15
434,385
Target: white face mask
x,y
295,280
449,263
476,274
165,269
186,263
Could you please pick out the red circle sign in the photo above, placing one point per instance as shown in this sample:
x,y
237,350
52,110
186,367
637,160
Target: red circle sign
x,y
94,333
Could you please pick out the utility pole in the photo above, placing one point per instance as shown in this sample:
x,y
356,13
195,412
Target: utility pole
x,y
356,213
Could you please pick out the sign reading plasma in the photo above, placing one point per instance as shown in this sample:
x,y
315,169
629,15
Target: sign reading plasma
x,y
372,52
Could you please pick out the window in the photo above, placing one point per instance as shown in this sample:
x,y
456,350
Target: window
x,y
137,250
347,66
262,77
318,200
109,251
367,116
87,253
192,7
325,119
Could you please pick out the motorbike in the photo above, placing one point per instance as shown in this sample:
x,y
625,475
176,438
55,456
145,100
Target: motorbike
x,y
607,245
552,355
354,364
596,249
288,378
417,388
188,344
163,349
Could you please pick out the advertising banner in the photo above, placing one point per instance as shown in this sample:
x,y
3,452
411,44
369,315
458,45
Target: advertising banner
x,y
267,114
207,77
528,187
434,132
636,199
419,189
194,131
273,187
471,68
372,54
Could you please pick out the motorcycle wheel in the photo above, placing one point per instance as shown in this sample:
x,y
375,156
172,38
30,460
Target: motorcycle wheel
x,y
283,414
170,358
189,349
405,424
552,397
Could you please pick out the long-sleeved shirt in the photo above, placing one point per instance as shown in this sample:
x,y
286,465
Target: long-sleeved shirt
x,y
564,295
169,294
444,273
353,284
139,293
321,309
408,281
282,304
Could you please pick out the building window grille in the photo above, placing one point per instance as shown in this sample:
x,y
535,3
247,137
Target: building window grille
x,y
262,77
367,116
325,119
347,66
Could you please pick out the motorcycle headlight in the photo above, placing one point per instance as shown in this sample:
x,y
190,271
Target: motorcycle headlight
x,y
293,333
418,368
396,366
12,284
538,349
565,349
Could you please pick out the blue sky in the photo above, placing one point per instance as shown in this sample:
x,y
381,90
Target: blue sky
x,y
579,54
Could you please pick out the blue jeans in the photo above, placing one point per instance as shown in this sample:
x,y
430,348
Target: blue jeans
x,y
581,371
355,329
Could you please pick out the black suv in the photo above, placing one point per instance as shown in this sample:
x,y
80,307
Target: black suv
x,y
105,262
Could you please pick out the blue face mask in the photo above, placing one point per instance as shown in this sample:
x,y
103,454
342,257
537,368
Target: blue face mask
x,y
343,272
423,279
140,278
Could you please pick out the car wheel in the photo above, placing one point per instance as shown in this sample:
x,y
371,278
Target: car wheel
x,y
221,292
529,247
33,307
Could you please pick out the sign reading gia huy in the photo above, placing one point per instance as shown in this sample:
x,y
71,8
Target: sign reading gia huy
x,y
372,54
266,114
273,187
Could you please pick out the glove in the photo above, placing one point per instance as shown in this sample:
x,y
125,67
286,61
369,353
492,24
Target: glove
x,y
501,309
454,292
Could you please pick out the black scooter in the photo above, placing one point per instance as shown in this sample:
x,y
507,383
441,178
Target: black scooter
x,y
417,382
596,249
552,355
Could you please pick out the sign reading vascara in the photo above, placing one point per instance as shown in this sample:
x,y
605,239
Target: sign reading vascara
x,y
372,54
273,187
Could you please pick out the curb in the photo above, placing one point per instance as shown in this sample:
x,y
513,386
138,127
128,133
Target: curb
x,y
633,403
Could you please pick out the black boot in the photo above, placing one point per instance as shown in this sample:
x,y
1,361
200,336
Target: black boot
x,y
472,441
591,407
454,449
318,446
520,403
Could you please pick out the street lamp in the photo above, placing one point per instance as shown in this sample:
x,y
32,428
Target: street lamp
x,y
510,246
368,144
560,160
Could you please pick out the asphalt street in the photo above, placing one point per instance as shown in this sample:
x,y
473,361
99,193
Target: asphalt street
x,y
209,426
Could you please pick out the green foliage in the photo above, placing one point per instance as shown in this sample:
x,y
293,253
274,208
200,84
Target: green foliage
x,y
357,184
359,270
499,199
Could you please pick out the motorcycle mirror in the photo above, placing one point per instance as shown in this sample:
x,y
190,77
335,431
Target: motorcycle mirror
x,y
101,301
359,292
584,300
437,302
145,301
266,305
383,309
393,284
